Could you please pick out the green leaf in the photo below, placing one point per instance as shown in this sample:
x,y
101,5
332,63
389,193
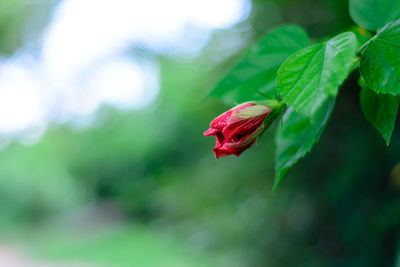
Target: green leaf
x,y
297,135
381,111
311,75
374,14
257,69
380,60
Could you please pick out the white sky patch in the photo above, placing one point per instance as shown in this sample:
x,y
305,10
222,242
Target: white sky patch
x,y
216,13
83,61
21,105
127,80
84,31
118,81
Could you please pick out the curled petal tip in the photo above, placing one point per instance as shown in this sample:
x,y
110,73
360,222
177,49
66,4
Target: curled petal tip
x,y
210,131
220,152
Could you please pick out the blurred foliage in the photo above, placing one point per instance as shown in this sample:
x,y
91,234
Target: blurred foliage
x,y
340,207
21,21
319,17
254,76
11,22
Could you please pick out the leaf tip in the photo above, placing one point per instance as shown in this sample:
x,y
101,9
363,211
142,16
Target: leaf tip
x,y
279,177
274,188
387,141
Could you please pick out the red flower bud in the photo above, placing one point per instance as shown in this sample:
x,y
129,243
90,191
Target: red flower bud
x,y
238,129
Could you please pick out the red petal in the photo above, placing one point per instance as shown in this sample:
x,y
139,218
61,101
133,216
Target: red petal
x,y
231,149
243,128
220,121
221,152
211,131
238,148
219,140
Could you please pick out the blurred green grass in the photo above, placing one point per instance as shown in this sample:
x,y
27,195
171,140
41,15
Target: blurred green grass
x,y
113,246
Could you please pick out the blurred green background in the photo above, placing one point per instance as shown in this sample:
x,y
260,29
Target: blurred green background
x,y
142,187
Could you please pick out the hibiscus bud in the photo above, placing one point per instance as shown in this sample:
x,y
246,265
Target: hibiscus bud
x,y
239,128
